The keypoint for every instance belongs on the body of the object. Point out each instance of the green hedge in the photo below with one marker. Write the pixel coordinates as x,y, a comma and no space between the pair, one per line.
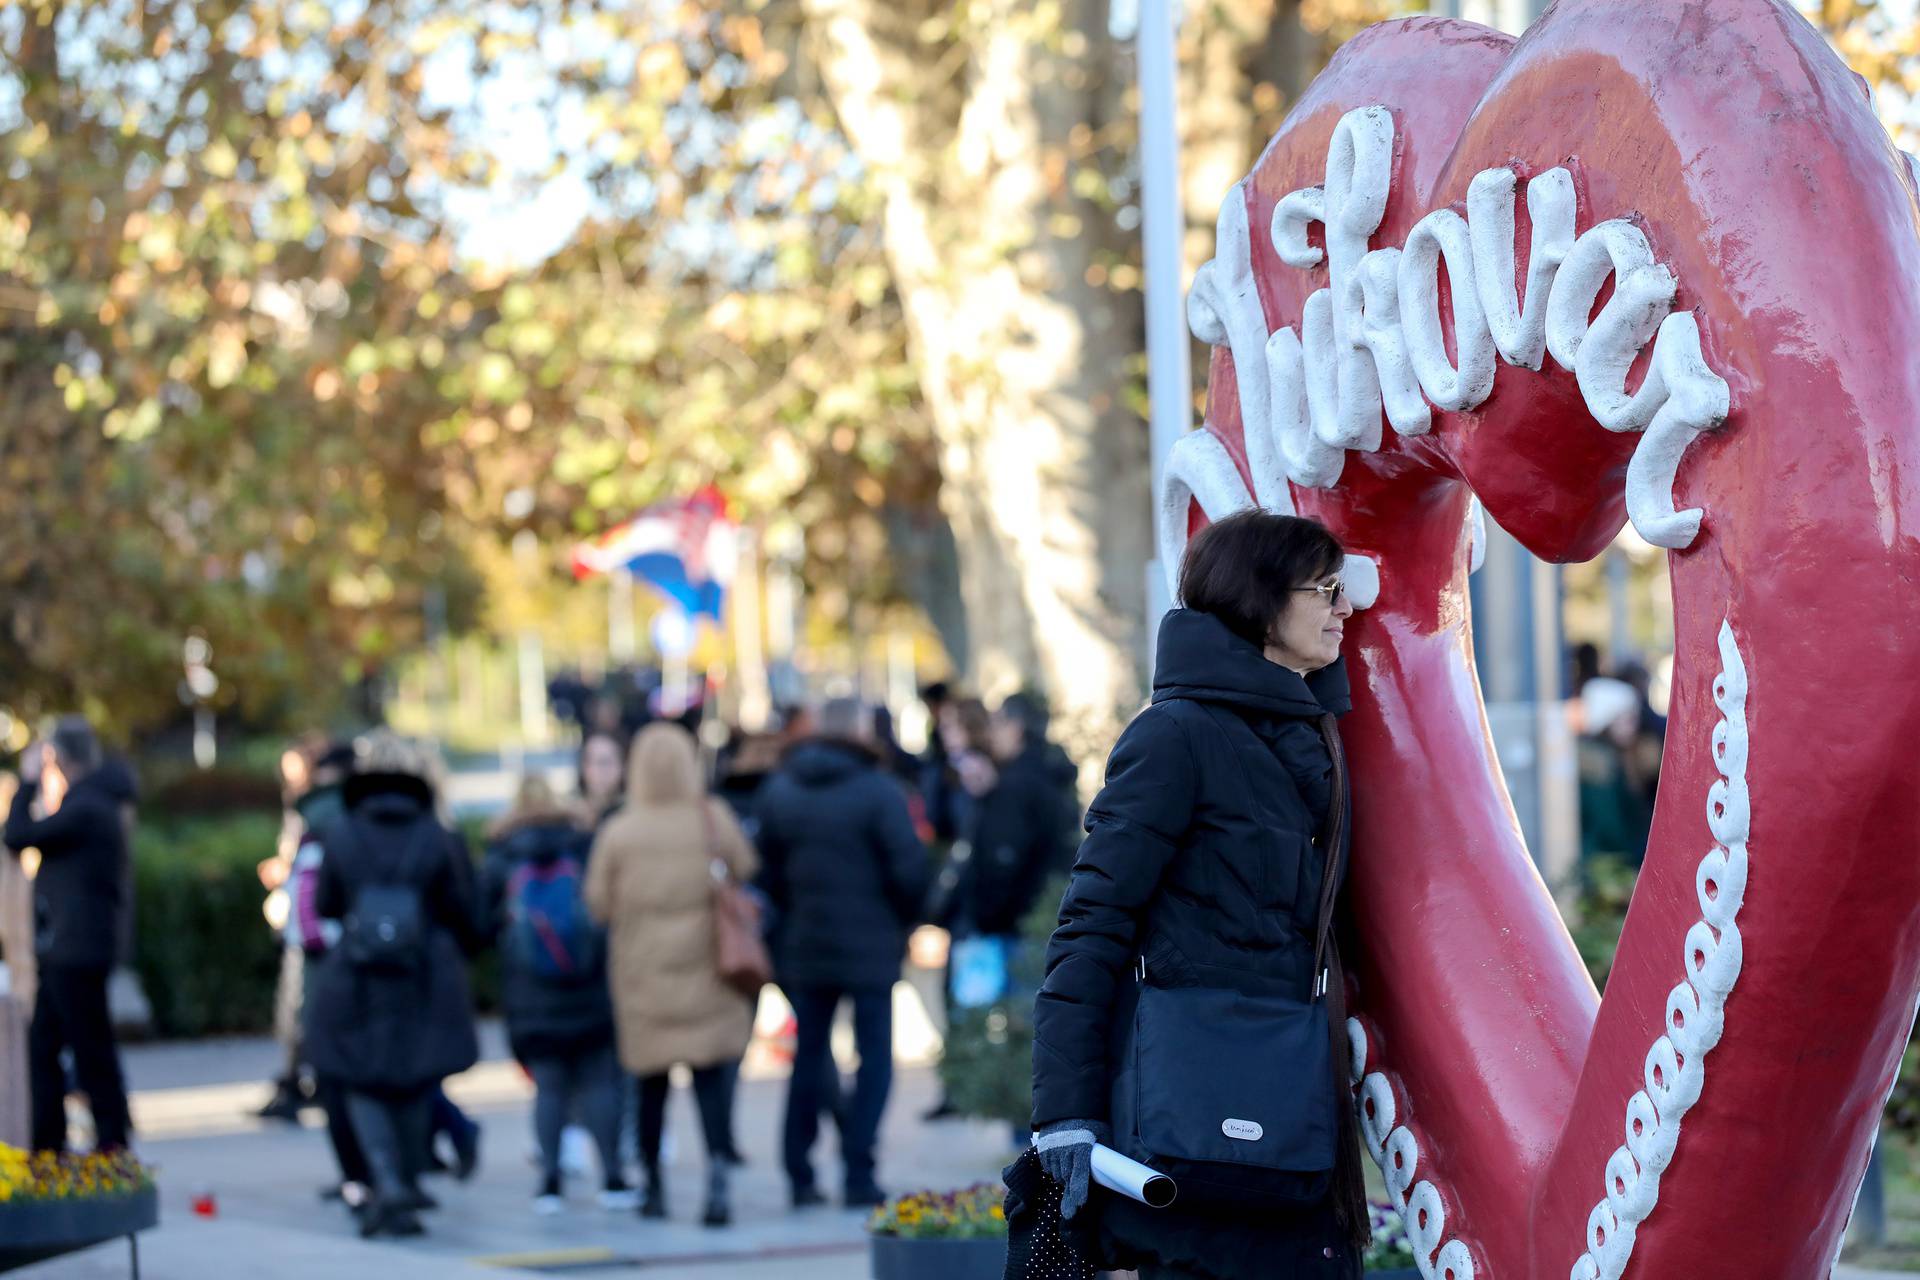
206,957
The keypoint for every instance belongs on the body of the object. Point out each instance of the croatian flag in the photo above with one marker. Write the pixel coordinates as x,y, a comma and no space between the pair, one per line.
684,549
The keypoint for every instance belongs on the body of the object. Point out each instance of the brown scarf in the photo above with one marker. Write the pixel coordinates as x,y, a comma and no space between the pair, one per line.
1349,1181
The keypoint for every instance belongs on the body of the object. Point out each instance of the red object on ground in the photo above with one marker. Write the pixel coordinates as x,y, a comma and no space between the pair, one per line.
1750,157
204,1204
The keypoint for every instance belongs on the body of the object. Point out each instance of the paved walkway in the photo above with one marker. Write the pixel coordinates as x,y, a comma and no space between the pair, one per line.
193,1106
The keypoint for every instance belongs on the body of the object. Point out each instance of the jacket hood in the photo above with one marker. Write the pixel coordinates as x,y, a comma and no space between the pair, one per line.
389,798
321,805
663,767
98,785
1047,760
823,762
361,789
1200,658
115,778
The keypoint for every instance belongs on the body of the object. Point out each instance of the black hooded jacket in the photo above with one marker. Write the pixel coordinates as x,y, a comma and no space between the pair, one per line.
1022,834
79,895
842,865
382,1030
1199,859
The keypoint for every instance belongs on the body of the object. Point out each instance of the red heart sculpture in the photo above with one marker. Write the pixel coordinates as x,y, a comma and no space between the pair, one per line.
1713,1116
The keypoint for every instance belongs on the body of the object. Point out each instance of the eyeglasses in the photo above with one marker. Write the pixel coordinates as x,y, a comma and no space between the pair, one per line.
1332,593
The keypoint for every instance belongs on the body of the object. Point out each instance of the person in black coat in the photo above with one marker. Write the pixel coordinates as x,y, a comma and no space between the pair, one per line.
1021,824
847,876
1202,878
79,901
559,1024
390,1014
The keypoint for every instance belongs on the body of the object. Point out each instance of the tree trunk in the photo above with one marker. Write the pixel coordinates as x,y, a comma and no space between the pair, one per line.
1022,359
1003,257
1241,66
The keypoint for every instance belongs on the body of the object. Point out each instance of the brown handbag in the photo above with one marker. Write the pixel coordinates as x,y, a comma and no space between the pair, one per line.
739,952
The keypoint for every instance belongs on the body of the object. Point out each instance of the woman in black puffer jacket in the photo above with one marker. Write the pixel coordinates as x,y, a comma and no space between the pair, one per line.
390,1014
1192,1014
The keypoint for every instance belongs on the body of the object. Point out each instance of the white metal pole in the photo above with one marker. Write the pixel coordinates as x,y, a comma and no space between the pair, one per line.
532,678
749,647
205,745
620,637
532,673
902,687
1162,224
676,683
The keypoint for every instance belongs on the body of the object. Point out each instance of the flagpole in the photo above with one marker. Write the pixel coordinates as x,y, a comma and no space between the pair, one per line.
675,694
531,673
749,651
620,641
1155,26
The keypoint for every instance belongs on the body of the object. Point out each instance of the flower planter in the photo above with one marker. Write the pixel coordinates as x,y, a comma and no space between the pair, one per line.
34,1230
902,1258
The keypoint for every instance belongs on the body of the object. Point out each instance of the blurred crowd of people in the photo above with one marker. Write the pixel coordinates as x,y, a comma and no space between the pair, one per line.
602,902
623,700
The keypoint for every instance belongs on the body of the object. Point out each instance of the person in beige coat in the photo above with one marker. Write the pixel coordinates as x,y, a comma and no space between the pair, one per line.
650,879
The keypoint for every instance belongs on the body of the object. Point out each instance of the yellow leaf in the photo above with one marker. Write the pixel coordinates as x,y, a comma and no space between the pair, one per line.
219,158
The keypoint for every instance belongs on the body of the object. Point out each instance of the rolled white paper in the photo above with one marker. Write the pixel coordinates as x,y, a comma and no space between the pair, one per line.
1132,1179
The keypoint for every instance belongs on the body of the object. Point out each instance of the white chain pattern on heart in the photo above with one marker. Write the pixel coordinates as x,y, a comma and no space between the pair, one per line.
1397,1152
1675,1066
1696,1009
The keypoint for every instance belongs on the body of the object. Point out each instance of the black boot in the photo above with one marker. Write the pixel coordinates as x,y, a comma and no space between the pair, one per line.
719,1204
466,1151
863,1193
414,1200
387,1212
285,1104
384,1218
653,1194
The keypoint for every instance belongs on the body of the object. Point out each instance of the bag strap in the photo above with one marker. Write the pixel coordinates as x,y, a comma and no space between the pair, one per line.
1348,1192
717,864
1334,842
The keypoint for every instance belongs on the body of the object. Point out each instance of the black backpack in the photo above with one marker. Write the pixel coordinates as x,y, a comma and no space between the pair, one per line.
385,928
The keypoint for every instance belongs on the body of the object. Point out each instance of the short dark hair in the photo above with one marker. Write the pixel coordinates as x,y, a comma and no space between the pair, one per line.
1028,710
1243,569
76,744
